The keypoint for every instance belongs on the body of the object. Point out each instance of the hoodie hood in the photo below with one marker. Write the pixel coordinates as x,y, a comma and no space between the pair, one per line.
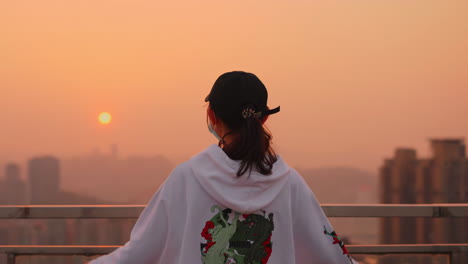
216,172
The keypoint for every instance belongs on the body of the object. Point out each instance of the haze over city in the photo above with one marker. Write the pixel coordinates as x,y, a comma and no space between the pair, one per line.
100,100
354,79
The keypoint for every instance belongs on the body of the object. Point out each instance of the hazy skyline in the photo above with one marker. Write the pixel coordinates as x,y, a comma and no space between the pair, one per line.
354,79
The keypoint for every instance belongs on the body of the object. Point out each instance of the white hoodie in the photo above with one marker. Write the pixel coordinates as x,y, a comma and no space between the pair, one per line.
205,214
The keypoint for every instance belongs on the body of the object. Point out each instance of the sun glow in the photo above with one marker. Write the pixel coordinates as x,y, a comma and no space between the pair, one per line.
104,118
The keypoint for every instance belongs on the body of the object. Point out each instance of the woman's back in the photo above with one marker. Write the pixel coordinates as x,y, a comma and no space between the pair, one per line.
203,213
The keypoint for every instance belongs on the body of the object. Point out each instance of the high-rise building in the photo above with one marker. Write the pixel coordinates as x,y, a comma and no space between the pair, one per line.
44,179
14,188
443,178
398,184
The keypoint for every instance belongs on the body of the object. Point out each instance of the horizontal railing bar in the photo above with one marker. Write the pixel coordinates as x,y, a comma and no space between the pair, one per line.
396,210
407,248
331,210
70,211
56,250
353,249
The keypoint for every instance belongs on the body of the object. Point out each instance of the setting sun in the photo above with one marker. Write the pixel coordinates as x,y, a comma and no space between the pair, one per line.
104,118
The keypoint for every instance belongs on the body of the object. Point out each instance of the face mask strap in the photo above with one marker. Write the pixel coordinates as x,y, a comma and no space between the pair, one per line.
212,131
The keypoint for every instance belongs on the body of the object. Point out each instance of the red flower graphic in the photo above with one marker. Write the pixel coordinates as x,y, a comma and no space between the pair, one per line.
267,248
205,234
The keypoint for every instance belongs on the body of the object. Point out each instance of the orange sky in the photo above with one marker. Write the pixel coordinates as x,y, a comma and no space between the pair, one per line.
355,79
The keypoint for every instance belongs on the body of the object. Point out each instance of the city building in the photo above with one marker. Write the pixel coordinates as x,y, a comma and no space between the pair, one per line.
13,192
13,189
44,180
442,178
44,176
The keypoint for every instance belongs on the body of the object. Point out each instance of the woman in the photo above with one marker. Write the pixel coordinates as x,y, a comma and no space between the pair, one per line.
235,202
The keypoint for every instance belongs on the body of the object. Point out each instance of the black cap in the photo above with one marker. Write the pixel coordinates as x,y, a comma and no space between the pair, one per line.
236,93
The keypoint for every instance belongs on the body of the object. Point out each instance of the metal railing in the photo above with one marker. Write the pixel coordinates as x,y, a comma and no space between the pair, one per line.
9,253
133,211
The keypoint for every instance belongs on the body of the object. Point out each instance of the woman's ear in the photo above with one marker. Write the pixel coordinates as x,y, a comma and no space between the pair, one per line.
265,118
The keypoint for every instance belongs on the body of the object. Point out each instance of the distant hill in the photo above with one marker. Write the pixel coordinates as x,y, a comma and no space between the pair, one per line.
114,179
342,184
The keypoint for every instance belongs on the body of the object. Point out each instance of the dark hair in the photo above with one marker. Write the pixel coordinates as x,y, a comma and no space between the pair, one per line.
239,99
251,144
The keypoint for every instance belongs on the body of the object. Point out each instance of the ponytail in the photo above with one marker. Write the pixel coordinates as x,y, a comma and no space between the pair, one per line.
251,145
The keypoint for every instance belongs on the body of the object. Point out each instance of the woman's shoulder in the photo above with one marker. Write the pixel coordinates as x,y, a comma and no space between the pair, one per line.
297,182
186,168
179,172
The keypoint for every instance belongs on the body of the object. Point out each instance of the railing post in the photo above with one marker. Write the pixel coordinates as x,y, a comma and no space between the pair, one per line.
6,258
458,257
